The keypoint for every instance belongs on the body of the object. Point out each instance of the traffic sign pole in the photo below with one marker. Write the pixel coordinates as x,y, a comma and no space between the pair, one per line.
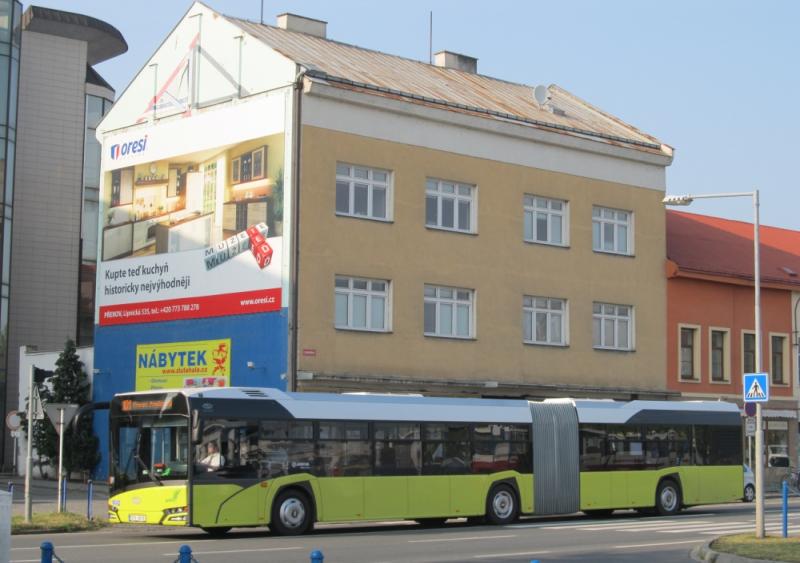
759,424
60,456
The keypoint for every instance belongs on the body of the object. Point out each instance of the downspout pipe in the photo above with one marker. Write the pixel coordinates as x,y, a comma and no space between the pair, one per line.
297,107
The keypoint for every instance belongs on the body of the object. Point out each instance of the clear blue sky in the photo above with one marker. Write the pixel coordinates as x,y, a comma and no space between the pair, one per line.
718,81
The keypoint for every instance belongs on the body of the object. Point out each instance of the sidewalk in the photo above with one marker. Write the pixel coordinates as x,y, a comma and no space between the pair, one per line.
44,497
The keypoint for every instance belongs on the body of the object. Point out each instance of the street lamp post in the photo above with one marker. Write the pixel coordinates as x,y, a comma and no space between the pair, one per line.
759,462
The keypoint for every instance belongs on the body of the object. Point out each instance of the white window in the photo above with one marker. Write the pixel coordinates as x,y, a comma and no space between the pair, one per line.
362,304
363,192
612,326
451,206
611,230
449,312
544,321
545,220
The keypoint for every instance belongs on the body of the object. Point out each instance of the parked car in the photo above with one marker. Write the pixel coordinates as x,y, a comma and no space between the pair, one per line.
778,456
749,485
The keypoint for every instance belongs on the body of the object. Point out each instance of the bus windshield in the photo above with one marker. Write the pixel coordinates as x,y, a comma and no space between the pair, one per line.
149,449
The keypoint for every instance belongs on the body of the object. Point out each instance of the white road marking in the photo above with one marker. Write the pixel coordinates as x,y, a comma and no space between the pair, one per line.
606,524
239,551
517,554
142,543
461,538
654,544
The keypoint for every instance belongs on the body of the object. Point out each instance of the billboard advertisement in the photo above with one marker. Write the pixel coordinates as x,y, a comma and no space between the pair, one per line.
191,235
172,365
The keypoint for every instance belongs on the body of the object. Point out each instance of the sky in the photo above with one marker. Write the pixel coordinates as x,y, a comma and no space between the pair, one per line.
717,81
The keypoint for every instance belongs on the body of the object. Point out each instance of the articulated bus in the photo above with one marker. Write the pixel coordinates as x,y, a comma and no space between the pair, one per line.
237,457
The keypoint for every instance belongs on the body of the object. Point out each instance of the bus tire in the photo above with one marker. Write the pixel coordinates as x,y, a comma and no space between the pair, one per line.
292,513
668,497
502,506
217,531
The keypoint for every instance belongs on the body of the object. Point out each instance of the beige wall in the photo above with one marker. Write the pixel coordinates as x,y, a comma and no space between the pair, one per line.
496,263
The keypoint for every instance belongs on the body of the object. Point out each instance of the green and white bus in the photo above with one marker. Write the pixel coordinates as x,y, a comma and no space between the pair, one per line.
235,457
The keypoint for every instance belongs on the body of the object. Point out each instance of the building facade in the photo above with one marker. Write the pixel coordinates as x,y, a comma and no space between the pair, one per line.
427,228
711,325
61,101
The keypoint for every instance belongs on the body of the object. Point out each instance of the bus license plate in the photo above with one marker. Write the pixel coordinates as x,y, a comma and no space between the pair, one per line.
137,518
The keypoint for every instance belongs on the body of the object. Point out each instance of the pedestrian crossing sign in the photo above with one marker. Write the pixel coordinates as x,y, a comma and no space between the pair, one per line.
755,388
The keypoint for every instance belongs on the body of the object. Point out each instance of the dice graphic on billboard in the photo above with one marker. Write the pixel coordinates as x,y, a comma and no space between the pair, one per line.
263,254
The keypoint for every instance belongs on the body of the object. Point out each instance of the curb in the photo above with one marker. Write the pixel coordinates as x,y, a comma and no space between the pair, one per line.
705,553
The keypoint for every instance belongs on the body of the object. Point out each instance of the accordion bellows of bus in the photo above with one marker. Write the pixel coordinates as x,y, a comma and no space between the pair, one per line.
241,457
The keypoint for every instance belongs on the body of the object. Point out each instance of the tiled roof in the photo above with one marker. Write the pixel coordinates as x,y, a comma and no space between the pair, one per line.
348,66
721,247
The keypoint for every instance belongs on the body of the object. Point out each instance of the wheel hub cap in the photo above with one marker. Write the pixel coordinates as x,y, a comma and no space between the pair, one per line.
292,513
503,504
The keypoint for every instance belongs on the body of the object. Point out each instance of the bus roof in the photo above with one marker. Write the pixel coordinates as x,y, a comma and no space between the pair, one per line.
601,411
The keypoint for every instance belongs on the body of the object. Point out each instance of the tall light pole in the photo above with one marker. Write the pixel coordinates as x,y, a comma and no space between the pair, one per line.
759,462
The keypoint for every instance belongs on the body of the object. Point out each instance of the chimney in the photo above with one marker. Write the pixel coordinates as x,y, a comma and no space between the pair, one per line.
449,59
302,24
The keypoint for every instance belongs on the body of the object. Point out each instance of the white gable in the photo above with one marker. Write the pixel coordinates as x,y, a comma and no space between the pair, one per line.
199,64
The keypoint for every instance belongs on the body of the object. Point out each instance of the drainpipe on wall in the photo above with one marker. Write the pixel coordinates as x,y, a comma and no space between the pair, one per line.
294,244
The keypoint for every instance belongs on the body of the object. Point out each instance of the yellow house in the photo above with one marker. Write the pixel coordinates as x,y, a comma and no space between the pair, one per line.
440,230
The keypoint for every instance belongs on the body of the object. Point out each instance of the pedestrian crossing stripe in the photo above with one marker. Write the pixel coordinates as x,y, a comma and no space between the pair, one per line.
755,391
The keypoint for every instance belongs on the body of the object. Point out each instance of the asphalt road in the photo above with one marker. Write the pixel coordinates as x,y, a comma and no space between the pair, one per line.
624,537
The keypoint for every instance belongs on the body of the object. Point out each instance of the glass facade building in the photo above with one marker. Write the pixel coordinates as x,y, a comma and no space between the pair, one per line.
10,39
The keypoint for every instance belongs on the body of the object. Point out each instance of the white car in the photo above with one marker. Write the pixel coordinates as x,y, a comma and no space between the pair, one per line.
749,485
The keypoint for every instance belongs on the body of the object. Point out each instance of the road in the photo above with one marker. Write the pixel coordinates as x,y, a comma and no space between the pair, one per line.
624,537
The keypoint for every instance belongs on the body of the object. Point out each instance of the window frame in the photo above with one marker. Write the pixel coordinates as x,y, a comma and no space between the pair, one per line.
454,302
697,375
745,332
531,208
369,293
439,195
726,355
603,220
371,184
602,317
785,380
533,309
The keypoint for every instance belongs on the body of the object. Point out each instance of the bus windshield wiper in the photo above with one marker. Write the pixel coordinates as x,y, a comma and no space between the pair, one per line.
145,469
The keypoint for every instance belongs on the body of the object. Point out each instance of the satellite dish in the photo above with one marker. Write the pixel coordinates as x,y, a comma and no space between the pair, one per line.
541,94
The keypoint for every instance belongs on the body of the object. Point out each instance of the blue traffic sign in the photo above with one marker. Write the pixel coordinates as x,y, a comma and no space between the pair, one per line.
755,388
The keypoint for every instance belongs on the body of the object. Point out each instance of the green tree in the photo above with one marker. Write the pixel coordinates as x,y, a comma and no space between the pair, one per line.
70,385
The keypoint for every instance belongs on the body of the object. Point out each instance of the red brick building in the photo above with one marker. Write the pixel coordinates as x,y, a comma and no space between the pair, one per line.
710,317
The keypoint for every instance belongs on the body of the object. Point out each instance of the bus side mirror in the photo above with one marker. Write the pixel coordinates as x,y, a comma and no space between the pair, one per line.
195,427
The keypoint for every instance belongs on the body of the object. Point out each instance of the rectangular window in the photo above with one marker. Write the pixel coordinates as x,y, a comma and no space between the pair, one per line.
544,321
450,206
778,355
612,326
398,448
612,230
749,352
363,192
361,304
449,312
688,350
720,370
545,220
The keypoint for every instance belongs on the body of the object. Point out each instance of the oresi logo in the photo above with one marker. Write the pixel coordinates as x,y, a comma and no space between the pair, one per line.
131,147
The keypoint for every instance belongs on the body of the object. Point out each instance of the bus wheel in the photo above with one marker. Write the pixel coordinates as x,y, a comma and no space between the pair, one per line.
668,498
291,513
501,505
599,512
431,522
218,531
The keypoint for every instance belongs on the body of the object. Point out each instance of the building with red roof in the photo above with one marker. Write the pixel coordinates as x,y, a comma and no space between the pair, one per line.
711,320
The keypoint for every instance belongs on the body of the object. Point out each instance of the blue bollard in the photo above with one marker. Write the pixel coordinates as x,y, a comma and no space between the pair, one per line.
11,488
89,499
63,495
316,556
785,494
47,552
185,554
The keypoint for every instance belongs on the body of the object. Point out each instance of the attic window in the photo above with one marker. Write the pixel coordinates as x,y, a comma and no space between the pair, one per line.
789,271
